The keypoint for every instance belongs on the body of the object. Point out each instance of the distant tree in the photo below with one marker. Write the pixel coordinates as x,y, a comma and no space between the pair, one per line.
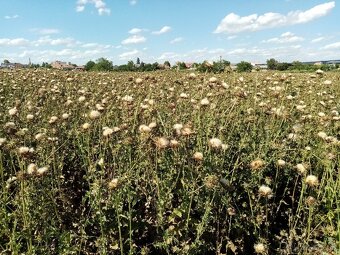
46,65
181,66
167,63
6,61
220,66
138,61
282,66
272,64
244,66
102,64
90,65
155,66
131,65
297,65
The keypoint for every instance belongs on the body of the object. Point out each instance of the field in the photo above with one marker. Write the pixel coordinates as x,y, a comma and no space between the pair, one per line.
169,163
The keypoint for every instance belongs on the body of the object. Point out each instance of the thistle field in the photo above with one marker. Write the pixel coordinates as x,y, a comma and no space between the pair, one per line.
169,163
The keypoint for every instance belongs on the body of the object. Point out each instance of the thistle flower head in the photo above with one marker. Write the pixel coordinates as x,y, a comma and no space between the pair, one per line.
113,184
265,191
94,114
257,164
139,81
281,162
301,168
312,180
152,125
53,120
260,248
2,141
65,116
177,126
174,143
30,117
31,168
42,170
107,132
13,111
86,126
215,143
211,181
161,142
144,129
198,156
205,102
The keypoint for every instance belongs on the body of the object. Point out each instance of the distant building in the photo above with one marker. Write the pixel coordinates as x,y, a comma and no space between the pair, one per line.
62,65
260,66
9,65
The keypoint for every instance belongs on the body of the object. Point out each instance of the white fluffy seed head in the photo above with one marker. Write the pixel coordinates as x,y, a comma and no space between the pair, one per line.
81,99
86,126
31,168
94,114
23,150
113,184
322,135
205,102
301,168
265,191
152,125
174,143
260,248
13,111
213,80
65,116
198,156
215,143
107,132
312,180
2,141
281,162
30,117
162,142
144,129
42,170
177,126
53,120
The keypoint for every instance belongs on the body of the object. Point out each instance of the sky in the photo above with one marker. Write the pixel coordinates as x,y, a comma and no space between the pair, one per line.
175,30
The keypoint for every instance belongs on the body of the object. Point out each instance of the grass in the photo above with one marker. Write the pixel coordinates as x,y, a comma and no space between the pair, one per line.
113,186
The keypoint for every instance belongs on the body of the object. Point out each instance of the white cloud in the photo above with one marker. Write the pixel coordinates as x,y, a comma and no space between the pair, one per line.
287,37
135,30
233,23
133,2
176,40
168,56
12,17
13,42
231,37
319,39
100,5
163,30
46,31
129,54
134,39
47,40
332,46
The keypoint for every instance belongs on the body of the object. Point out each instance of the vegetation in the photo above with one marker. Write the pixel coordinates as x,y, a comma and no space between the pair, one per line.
244,66
169,163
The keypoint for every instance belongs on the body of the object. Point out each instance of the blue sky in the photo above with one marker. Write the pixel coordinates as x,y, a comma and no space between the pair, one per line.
174,30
